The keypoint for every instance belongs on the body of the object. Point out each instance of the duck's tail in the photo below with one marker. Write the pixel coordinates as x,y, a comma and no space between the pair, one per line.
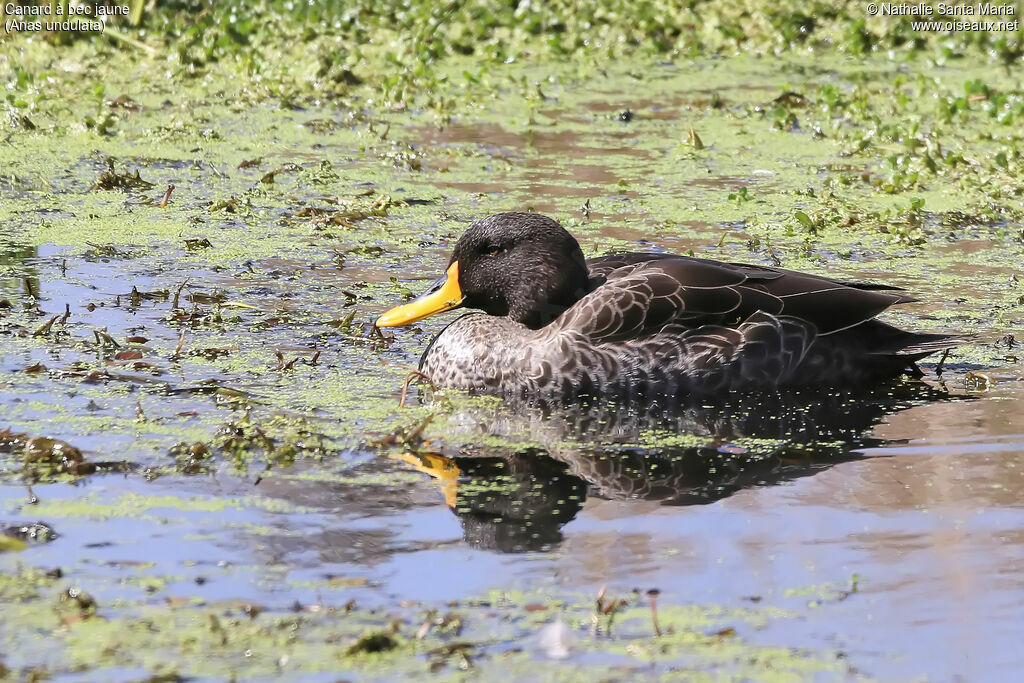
887,340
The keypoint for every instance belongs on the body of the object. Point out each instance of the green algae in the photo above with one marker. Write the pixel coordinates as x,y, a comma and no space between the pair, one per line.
8,544
241,640
139,506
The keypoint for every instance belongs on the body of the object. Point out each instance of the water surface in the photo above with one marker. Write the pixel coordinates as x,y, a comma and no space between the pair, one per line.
319,489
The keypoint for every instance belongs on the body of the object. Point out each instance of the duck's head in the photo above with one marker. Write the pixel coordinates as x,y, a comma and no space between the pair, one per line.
521,265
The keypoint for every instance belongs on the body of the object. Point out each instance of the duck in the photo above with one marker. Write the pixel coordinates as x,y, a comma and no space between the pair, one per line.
552,324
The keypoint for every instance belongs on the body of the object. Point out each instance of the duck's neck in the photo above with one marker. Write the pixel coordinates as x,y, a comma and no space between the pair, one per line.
541,312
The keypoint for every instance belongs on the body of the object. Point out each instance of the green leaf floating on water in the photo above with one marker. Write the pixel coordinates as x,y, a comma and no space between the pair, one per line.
8,544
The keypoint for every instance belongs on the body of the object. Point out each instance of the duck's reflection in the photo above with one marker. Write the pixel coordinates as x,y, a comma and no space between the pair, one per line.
517,501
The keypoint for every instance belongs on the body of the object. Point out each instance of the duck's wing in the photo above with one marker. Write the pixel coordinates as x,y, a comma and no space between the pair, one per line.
764,350
641,293
831,305
638,299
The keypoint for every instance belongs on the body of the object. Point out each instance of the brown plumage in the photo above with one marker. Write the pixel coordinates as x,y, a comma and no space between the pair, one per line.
643,325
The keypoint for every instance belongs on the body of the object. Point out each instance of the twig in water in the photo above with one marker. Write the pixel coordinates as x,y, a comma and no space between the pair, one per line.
653,595
601,609
177,295
259,477
44,329
595,618
181,343
405,386
167,197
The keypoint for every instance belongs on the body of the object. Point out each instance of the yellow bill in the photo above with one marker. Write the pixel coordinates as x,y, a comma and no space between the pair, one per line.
443,296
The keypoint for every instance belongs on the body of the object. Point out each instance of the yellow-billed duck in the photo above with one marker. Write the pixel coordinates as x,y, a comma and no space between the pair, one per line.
635,325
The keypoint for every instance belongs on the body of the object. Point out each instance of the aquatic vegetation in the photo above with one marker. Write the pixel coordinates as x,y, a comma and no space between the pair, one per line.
162,633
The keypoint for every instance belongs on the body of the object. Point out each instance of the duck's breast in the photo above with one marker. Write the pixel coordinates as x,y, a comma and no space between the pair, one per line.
480,352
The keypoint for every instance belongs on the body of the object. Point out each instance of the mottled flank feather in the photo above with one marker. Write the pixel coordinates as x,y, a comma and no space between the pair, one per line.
644,325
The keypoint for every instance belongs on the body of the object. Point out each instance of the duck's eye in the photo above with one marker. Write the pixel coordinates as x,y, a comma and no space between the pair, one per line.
493,250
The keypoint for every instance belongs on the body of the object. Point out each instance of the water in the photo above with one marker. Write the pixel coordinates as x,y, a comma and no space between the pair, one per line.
912,497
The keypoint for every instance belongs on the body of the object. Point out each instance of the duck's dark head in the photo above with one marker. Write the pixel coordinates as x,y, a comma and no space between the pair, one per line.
522,265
